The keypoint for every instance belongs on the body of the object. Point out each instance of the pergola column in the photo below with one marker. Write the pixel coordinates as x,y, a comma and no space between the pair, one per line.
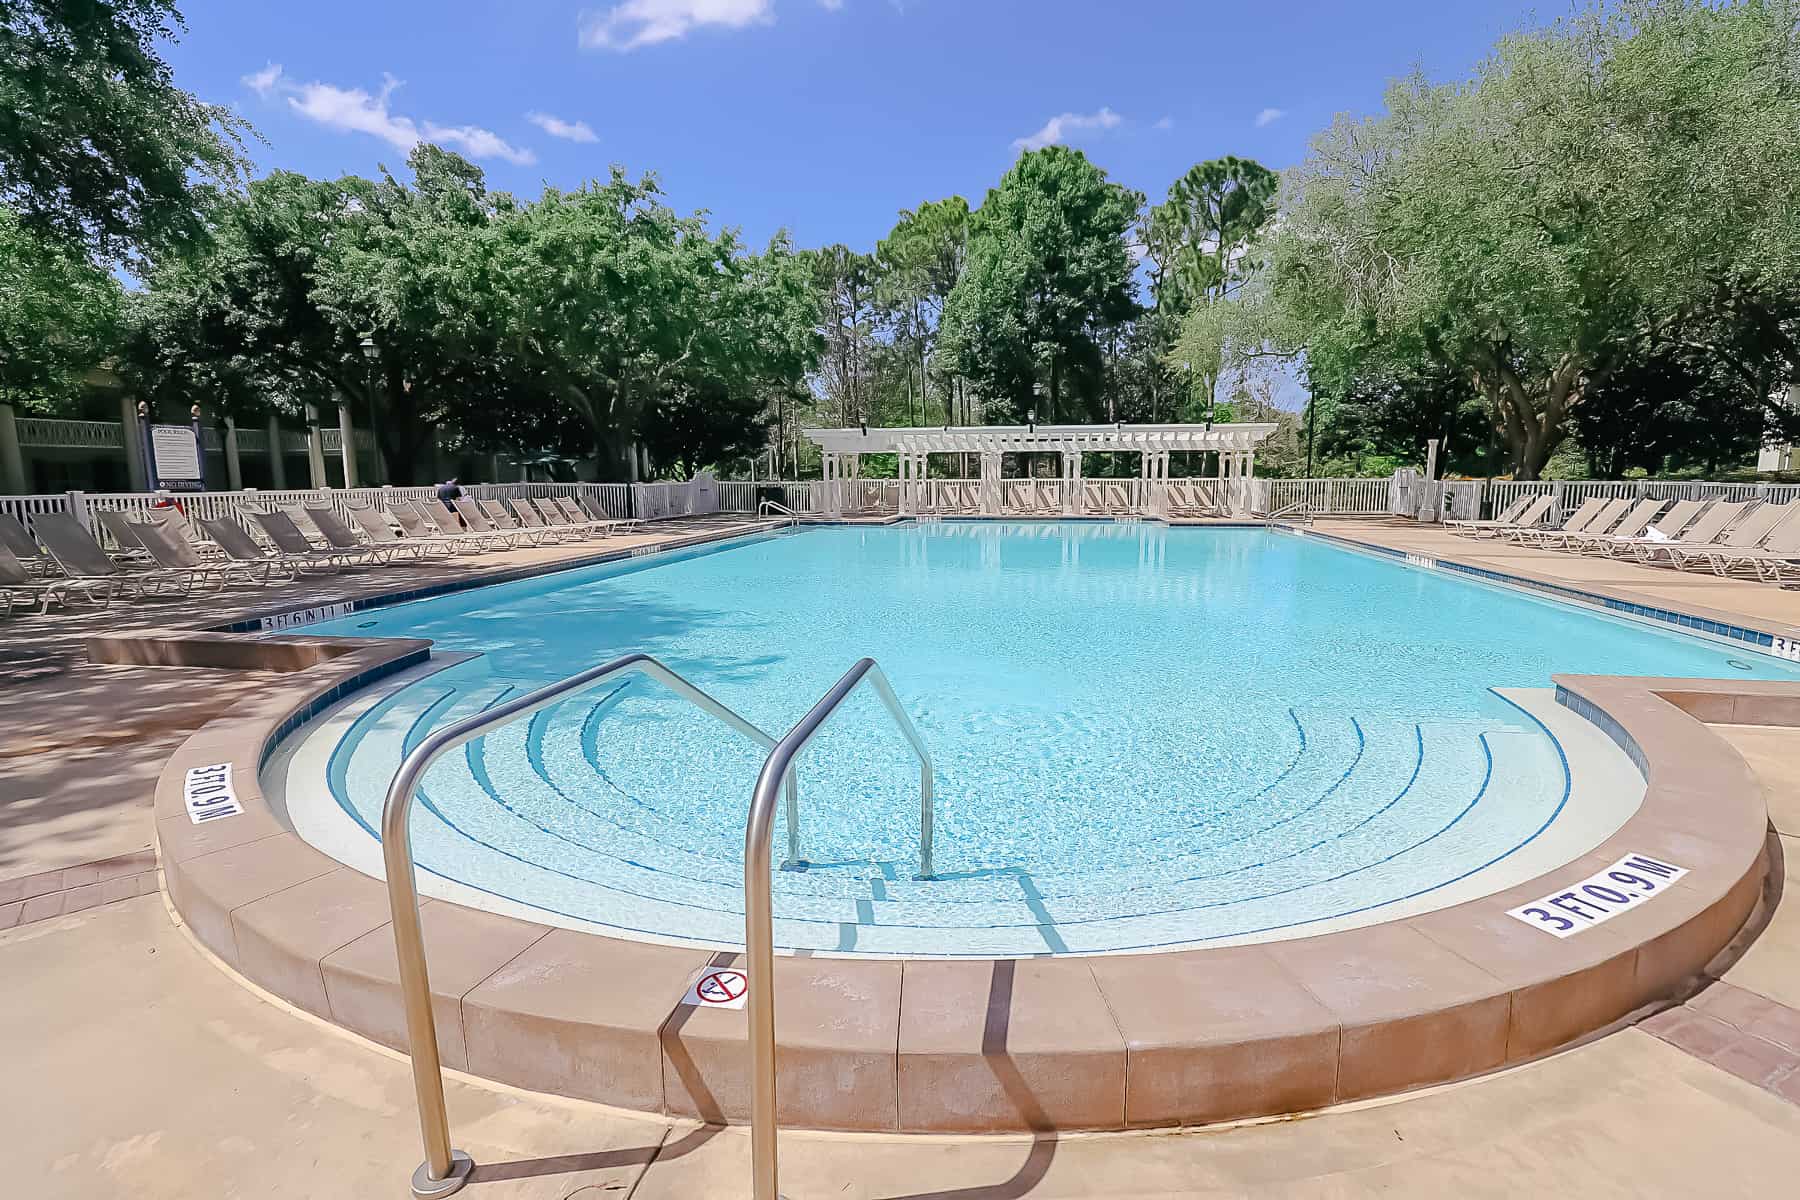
347,444
1072,483
990,483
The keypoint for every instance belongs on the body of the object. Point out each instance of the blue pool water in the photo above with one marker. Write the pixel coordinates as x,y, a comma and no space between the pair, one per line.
1144,736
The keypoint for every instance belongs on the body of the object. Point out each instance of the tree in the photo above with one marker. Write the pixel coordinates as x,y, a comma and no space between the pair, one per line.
917,266
1600,177
846,285
58,317
1048,279
98,147
298,273
1197,241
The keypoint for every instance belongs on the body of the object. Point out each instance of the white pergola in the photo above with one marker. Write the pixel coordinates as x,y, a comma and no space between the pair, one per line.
841,451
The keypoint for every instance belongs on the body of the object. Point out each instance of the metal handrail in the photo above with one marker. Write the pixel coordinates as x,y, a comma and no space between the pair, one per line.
446,1169
759,925
1298,506
763,509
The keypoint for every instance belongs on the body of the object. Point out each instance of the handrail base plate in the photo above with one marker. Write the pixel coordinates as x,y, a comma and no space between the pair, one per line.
426,1188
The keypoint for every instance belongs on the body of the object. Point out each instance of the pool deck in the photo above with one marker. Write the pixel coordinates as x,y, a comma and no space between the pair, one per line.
182,1098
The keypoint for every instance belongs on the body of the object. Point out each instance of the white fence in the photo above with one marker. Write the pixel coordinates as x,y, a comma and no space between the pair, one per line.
614,498
1569,495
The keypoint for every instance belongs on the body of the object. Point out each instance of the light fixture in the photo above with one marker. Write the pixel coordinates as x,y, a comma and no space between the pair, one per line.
370,350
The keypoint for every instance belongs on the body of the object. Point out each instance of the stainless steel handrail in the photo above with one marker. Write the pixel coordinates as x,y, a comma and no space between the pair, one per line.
1299,506
446,1169
759,928
763,510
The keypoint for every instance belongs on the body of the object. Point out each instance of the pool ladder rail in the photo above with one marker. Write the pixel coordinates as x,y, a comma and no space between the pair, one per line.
446,1169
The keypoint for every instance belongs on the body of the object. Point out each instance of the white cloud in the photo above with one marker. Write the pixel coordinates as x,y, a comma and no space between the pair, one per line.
831,5
1269,116
571,131
1166,123
1059,128
353,110
636,23
264,81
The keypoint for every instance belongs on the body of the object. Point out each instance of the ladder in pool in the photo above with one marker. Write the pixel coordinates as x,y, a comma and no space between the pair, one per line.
446,1169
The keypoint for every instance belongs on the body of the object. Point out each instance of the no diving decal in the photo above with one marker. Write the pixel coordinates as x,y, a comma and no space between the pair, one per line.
1600,897
209,794
718,987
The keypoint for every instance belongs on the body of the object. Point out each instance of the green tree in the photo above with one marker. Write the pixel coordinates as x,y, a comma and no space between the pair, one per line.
1596,178
98,147
917,265
1048,279
59,316
1197,242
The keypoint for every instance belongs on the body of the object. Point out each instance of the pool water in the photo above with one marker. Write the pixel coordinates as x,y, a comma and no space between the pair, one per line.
1144,736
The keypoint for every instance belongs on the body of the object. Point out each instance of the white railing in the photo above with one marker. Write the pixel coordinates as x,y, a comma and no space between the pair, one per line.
615,499
1321,497
1570,494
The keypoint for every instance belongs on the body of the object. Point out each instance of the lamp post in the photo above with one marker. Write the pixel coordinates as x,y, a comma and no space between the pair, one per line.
371,353
199,445
145,446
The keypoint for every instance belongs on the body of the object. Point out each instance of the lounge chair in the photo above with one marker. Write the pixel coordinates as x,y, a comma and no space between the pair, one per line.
80,557
1666,528
552,517
176,555
340,536
239,546
417,523
17,541
1703,533
591,507
17,583
374,525
297,549
477,522
1530,517
127,548
1506,516
183,529
1595,519
573,514
525,522
1631,526
1764,545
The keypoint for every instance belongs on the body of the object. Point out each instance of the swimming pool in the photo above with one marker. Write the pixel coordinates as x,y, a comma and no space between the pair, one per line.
1145,737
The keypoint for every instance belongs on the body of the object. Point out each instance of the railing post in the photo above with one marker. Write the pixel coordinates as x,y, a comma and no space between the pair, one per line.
78,508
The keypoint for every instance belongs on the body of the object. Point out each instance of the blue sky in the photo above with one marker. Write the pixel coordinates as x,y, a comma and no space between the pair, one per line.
825,117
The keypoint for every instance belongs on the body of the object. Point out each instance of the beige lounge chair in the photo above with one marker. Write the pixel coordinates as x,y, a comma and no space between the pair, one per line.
374,525
477,522
175,554
1632,525
1666,528
1583,520
1506,516
1772,556
1532,517
16,584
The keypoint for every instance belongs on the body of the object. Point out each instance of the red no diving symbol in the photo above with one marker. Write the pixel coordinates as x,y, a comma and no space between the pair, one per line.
721,987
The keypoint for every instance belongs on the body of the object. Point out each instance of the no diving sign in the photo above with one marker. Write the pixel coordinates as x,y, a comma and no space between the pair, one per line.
718,987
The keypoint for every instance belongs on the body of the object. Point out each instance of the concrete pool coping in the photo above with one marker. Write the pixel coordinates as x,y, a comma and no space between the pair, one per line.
1178,1038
